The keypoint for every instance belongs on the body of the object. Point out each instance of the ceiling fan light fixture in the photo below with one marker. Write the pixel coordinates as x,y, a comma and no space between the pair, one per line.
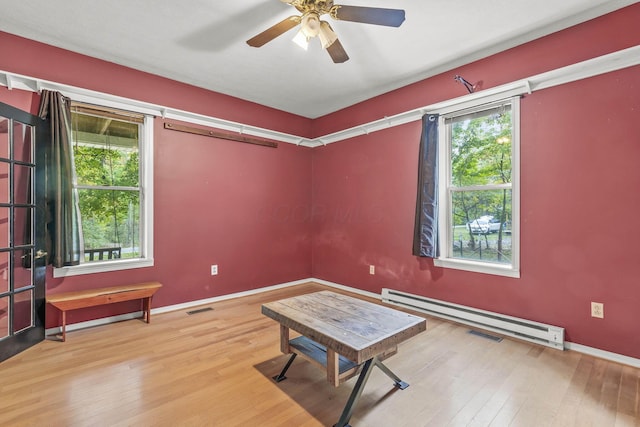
327,35
310,24
301,40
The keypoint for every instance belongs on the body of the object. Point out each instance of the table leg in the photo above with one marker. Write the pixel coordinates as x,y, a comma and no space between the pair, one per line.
284,339
355,394
398,382
333,367
359,387
280,376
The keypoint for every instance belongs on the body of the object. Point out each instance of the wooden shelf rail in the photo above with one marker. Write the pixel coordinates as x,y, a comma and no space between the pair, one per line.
221,135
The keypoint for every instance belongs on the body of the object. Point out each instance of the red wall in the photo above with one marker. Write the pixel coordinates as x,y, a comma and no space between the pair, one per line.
580,144
268,216
237,205
231,204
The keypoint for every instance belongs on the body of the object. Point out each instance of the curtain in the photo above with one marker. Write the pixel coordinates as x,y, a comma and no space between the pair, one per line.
63,234
425,234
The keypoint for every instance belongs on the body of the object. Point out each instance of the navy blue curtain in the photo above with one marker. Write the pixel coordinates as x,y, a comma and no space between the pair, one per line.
425,233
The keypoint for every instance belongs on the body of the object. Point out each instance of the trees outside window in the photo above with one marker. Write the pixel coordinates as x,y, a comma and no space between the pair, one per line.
113,179
106,149
479,188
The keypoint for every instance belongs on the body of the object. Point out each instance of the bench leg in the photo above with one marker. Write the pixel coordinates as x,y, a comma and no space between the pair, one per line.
146,308
64,325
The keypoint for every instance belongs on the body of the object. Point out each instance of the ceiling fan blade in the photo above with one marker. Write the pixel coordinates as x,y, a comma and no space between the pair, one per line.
337,52
274,31
369,15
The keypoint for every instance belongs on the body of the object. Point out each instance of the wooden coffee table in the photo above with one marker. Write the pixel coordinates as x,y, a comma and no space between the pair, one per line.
342,335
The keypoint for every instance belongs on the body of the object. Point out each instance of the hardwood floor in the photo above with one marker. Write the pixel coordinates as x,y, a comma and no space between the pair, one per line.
214,368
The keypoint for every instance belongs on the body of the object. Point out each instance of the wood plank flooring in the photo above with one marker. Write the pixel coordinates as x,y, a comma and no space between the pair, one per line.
214,368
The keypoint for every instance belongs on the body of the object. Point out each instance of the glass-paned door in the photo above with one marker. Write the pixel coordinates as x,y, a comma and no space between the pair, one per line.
22,261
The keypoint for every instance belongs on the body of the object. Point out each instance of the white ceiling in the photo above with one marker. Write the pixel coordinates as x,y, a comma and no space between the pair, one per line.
202,42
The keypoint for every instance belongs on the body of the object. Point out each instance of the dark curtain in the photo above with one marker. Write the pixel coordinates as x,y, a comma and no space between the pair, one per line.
425,233
63,234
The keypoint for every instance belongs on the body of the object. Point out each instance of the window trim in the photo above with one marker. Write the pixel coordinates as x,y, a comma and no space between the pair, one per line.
445,258
146,192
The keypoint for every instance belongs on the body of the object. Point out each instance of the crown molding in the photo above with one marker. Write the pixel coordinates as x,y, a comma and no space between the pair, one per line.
592,67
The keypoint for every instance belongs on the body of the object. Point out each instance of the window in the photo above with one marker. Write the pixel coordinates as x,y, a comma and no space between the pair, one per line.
112,162
479,191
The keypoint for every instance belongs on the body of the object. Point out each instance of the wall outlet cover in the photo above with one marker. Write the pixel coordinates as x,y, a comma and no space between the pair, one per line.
597,310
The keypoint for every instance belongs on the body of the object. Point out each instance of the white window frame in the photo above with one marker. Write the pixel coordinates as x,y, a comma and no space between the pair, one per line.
146,194
446,258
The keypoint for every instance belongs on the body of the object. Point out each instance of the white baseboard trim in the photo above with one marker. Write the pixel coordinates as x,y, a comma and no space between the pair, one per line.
190,304
603,354
345,288
591,351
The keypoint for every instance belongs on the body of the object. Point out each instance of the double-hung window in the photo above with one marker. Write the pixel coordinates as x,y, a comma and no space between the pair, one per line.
112,155
479,189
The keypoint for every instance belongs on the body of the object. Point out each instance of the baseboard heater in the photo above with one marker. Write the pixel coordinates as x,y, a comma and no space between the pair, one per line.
551,336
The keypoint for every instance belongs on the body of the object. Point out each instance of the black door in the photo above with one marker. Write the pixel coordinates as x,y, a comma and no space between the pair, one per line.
22,258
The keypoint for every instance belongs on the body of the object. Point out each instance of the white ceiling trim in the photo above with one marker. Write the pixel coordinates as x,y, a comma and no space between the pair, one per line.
33,84
600,65
592,67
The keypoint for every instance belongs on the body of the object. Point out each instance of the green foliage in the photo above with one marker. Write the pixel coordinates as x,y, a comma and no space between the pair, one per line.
481,151
110,217
481,155
102,165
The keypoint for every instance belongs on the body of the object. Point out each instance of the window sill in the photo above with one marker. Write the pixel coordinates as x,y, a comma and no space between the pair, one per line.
478,267
102,267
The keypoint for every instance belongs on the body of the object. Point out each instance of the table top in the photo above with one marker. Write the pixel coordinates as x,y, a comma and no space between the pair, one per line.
356,329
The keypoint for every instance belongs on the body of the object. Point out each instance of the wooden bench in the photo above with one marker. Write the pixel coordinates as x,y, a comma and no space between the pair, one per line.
92,297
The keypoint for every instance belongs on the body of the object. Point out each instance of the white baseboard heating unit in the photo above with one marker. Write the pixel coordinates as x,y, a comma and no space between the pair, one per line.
551,336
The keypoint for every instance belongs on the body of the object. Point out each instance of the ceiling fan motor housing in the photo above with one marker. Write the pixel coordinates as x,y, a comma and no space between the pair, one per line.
320,7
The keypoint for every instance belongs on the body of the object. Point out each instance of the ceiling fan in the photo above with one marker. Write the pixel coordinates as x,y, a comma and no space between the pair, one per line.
312,25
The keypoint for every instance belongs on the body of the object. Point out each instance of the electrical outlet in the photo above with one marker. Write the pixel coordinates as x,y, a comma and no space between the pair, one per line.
597,310
214,270
372,269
